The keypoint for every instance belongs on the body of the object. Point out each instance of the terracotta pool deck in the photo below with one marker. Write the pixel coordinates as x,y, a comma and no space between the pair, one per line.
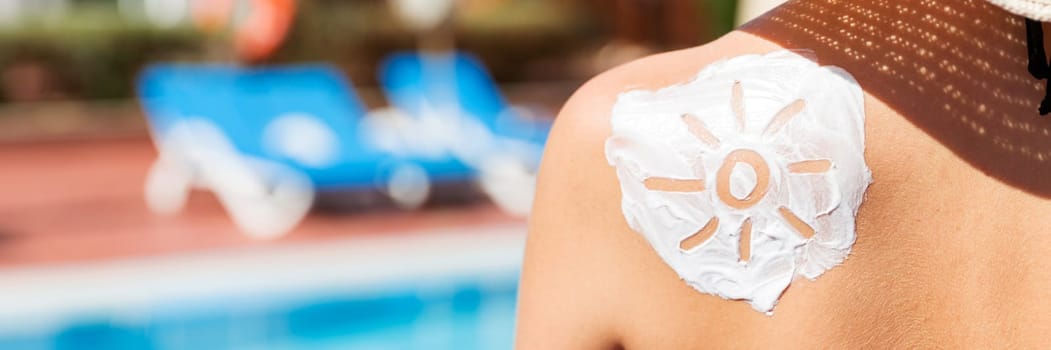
76,201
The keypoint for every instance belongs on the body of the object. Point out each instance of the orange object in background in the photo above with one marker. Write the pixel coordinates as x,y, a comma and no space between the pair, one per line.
264,29
259,26
212,15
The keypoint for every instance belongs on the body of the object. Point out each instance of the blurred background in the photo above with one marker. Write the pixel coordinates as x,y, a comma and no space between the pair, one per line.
288,174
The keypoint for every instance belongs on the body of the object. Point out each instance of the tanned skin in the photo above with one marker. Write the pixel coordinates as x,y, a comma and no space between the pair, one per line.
953,239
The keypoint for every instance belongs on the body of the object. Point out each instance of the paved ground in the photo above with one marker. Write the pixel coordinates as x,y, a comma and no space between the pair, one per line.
79,201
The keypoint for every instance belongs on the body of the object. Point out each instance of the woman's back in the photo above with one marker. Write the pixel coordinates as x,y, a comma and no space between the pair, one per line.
951,240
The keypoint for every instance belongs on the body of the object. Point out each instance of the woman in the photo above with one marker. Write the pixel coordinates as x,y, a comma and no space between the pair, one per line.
951,235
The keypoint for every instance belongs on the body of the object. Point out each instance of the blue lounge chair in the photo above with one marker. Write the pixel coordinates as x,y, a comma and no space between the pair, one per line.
496,139
264,140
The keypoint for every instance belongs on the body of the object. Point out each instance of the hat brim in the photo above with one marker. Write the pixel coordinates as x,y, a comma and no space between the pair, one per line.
1035,9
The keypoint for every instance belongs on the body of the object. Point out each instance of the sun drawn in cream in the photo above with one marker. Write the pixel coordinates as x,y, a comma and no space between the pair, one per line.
756,163
748,175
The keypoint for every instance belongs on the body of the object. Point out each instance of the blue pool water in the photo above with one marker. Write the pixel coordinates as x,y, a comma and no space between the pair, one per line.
462,315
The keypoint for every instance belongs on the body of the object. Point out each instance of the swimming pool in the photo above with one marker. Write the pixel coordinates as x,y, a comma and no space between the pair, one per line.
439,291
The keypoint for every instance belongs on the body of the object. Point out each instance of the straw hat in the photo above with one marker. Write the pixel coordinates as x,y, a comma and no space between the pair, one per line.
1036,9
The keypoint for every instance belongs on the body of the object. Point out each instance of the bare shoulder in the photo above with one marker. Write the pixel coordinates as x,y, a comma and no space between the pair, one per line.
583,264
584,121
589,281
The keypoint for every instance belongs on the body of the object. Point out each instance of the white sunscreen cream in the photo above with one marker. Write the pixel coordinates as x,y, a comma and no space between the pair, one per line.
746,176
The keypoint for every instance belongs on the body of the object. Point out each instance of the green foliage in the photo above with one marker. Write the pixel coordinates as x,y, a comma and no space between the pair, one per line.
95,53
722,14
91,51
